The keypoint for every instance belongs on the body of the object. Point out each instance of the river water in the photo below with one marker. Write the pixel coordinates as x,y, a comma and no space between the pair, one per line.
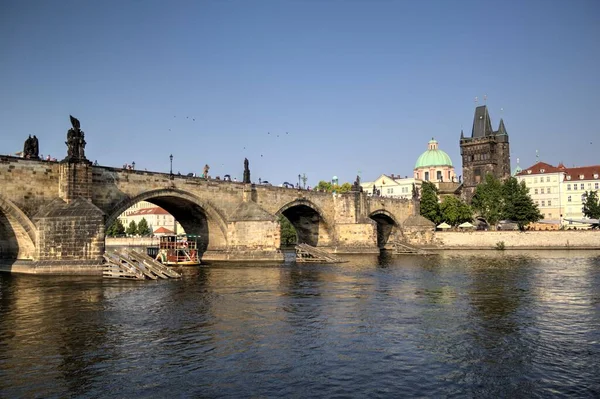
490,324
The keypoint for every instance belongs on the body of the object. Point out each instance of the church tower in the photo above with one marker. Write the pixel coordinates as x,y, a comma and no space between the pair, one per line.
486,151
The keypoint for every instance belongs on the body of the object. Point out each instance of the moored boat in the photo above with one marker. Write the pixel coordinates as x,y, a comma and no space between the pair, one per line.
180,250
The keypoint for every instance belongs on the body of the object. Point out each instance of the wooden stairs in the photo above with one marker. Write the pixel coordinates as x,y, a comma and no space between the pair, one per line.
308,254
401,248
133,265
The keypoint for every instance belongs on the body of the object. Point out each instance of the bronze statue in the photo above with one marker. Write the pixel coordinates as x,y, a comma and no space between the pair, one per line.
75,141
205,171
246,171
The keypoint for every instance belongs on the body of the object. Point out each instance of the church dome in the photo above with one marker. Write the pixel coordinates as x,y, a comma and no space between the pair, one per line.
433,157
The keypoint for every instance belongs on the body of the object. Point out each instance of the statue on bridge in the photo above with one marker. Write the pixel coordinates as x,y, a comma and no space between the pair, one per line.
246,171
75,142
356,185
31,148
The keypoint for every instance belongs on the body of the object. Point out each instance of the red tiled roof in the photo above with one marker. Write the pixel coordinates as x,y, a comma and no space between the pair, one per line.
163,230
588,173
149,211
537,169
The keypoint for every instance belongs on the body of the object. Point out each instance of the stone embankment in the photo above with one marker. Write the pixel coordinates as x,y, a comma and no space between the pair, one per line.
570,239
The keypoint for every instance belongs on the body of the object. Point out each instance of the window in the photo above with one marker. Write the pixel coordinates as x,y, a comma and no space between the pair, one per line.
439,175
535,179
549,202
541,191
568,177
548,190
426,176
589,186
547,179
549,215
535,191
543,203
582,186
596,186
390,191
581,177
542,171
569,198
568,187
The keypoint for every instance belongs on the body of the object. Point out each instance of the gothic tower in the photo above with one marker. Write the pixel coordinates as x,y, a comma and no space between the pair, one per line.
486,151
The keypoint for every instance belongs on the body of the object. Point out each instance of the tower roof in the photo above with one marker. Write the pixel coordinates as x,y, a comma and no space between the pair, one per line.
482,126
501,128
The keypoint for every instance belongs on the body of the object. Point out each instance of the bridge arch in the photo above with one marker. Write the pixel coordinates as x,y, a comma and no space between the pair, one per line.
196,216
18,234
388,226
309,220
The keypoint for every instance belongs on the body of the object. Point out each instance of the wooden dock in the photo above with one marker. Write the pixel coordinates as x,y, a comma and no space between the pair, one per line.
134,265
401,248
308,254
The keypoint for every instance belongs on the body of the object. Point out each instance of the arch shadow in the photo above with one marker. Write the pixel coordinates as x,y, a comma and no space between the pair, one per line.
387,224
308,220
18,234
196,216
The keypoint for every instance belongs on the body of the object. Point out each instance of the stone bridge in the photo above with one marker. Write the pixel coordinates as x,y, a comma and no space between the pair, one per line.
55,213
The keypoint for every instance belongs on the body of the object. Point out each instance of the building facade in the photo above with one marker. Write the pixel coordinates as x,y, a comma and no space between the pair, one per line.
559,191
156,217
434,165
392,186
486,151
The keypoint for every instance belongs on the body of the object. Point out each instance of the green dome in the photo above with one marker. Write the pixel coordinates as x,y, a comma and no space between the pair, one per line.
433,157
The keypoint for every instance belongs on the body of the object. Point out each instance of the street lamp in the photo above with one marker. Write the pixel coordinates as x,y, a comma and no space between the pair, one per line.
133,165
299,181
171,170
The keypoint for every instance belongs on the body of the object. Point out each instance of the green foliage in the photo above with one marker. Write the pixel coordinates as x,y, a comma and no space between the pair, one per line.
500,245
116,229
430,207
329,188
591,205
131,229
454,211
142,228
487,201
518,205
324,186
288,232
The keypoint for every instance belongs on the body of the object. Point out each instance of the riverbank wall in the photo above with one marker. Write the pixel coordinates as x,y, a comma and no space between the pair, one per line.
562,239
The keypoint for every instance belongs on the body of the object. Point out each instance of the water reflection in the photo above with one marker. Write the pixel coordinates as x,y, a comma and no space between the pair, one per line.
491,325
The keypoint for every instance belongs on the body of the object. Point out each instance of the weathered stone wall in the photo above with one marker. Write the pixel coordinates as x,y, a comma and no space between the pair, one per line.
70,232
28,183
515,239
356,237
75,180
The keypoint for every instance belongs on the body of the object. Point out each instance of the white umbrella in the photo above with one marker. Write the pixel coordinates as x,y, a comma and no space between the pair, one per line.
443,226
466,225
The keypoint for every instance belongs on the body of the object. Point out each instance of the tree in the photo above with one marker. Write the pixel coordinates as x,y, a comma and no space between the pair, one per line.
288,232
518,205
116,229
142,228
329,188
591,205
132,228
454,211
487,200
430,207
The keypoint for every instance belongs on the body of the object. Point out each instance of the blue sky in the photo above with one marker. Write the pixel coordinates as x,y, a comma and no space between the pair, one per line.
320,88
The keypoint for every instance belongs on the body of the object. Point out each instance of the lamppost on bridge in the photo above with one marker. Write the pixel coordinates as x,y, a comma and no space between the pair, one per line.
299,177
171,170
